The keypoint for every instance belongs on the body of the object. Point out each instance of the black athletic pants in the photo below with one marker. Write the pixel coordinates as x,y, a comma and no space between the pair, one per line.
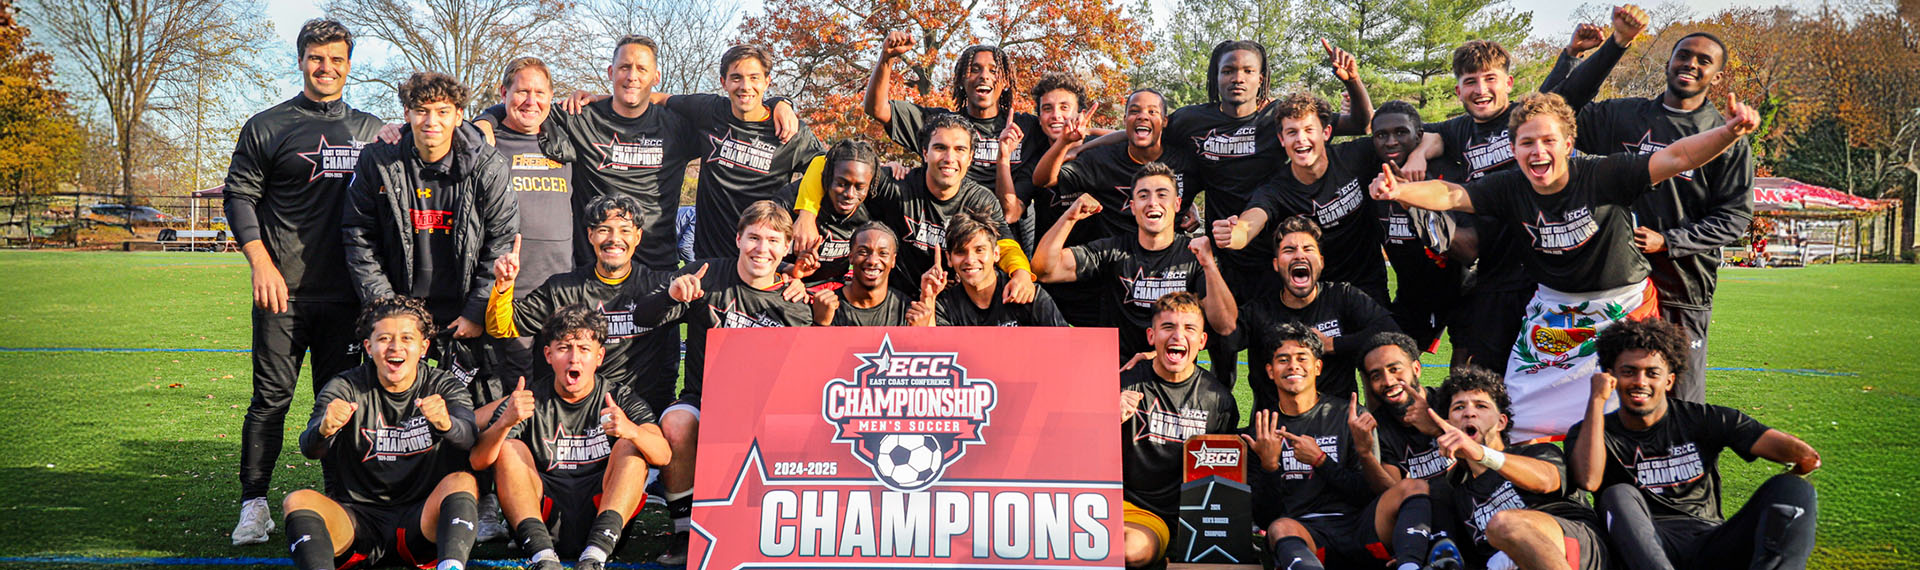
324,329
1691,385
1774,530
1485,326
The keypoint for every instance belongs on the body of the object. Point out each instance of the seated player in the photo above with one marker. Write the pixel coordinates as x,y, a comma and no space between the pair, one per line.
548,447
1340,315
1579,214
1308,492
1395,417
1160,407
973,297
849,169
1513,500
745,292
867,300
389,433
1656,464
1136,269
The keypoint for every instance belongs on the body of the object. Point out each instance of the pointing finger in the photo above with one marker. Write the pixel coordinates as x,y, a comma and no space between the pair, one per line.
1324,44
516,244
702,273
1353,408
1439,421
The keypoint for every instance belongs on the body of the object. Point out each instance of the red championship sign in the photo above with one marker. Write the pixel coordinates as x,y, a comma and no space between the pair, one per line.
856,447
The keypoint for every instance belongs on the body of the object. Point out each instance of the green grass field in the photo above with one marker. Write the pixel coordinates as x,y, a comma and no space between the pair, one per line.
133,454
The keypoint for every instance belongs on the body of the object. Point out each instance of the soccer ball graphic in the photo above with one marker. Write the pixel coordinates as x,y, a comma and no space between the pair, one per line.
907,461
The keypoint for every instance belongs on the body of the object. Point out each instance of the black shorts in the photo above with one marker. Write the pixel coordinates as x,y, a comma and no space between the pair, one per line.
569,505
380,531
1347,541
1586,548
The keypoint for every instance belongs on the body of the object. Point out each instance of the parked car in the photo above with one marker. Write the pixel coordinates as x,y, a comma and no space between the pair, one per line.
121,213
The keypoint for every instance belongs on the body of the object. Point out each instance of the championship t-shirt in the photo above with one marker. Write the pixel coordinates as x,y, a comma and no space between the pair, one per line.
566,437
920,218
1230,157
1350,234
388,453
1581,237
1402,446
891,312
286,183
1341,312
1133,278
633,356
909,119
1106,172
955,309
544,190
1153,442
644,157
1477,149
1299,490
1677,461
728,302
1478,498
745,162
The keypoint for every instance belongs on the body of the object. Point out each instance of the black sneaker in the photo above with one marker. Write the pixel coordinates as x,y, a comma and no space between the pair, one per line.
589,564
547,564
676,554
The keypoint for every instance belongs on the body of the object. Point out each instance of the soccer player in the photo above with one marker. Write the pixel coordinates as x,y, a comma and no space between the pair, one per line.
973,297
1307,491
1061,102
1160,407
1656,464
570,455
390,433
747,291
982,89
1395,418
1419,244
1134,270
1577,213
613,232
1684,221
459,215
1326,184
1513,499
1341,316
284,184
542,188
867,300
1493,306
849,170
919,205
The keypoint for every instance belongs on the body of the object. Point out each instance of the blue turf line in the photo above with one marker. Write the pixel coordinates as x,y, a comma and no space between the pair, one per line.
261,562
1798,371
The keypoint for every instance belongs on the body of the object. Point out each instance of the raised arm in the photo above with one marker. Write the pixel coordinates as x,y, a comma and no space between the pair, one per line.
1052,261
1218,304
1358,119
1697,150
897,44
1435,195
1587,446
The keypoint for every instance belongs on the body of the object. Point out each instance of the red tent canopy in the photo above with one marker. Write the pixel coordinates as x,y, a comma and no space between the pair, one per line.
1790,194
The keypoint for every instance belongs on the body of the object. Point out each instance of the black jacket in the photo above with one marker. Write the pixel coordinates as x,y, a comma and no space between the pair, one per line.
375,228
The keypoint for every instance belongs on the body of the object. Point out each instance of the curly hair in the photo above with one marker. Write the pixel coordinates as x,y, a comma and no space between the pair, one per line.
570,320
1398,107
606,206
1651,335
391,307
1299,105
1061,82
1481,55
425,87
1470,378
877,227
1543,105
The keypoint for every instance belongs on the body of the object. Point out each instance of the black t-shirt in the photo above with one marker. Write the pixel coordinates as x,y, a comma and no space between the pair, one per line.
1404,447
430,214
1299,490
1133,278
285,184
1350,233
729,302
1153,443
955,309
644,157
1230,157
1477,498
1697,211
1477,149
836,237
1581,237
891,312
745,163
1341,311
1107,172
388,453
1677,461
1419,270
565,437
632,359
920,219
909,119
544,190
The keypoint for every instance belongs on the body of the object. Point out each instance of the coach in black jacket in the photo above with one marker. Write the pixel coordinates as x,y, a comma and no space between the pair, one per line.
430,228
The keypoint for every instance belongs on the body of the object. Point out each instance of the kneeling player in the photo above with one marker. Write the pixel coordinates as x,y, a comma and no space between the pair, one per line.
973,299
385,431
548,447
867,299
1658,461
1163,405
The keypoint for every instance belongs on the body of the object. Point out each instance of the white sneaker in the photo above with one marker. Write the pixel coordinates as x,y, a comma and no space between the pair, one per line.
491,528
256,520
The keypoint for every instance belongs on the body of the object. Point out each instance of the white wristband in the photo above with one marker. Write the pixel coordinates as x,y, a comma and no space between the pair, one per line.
1492,459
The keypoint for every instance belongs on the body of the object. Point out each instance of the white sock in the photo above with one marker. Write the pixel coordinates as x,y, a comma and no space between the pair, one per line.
547,554
593,553
672,496
450,565
1409,566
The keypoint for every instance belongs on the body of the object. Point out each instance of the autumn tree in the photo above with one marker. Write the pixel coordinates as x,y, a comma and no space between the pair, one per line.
471,40
692,34
42,138
128,51
825,49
